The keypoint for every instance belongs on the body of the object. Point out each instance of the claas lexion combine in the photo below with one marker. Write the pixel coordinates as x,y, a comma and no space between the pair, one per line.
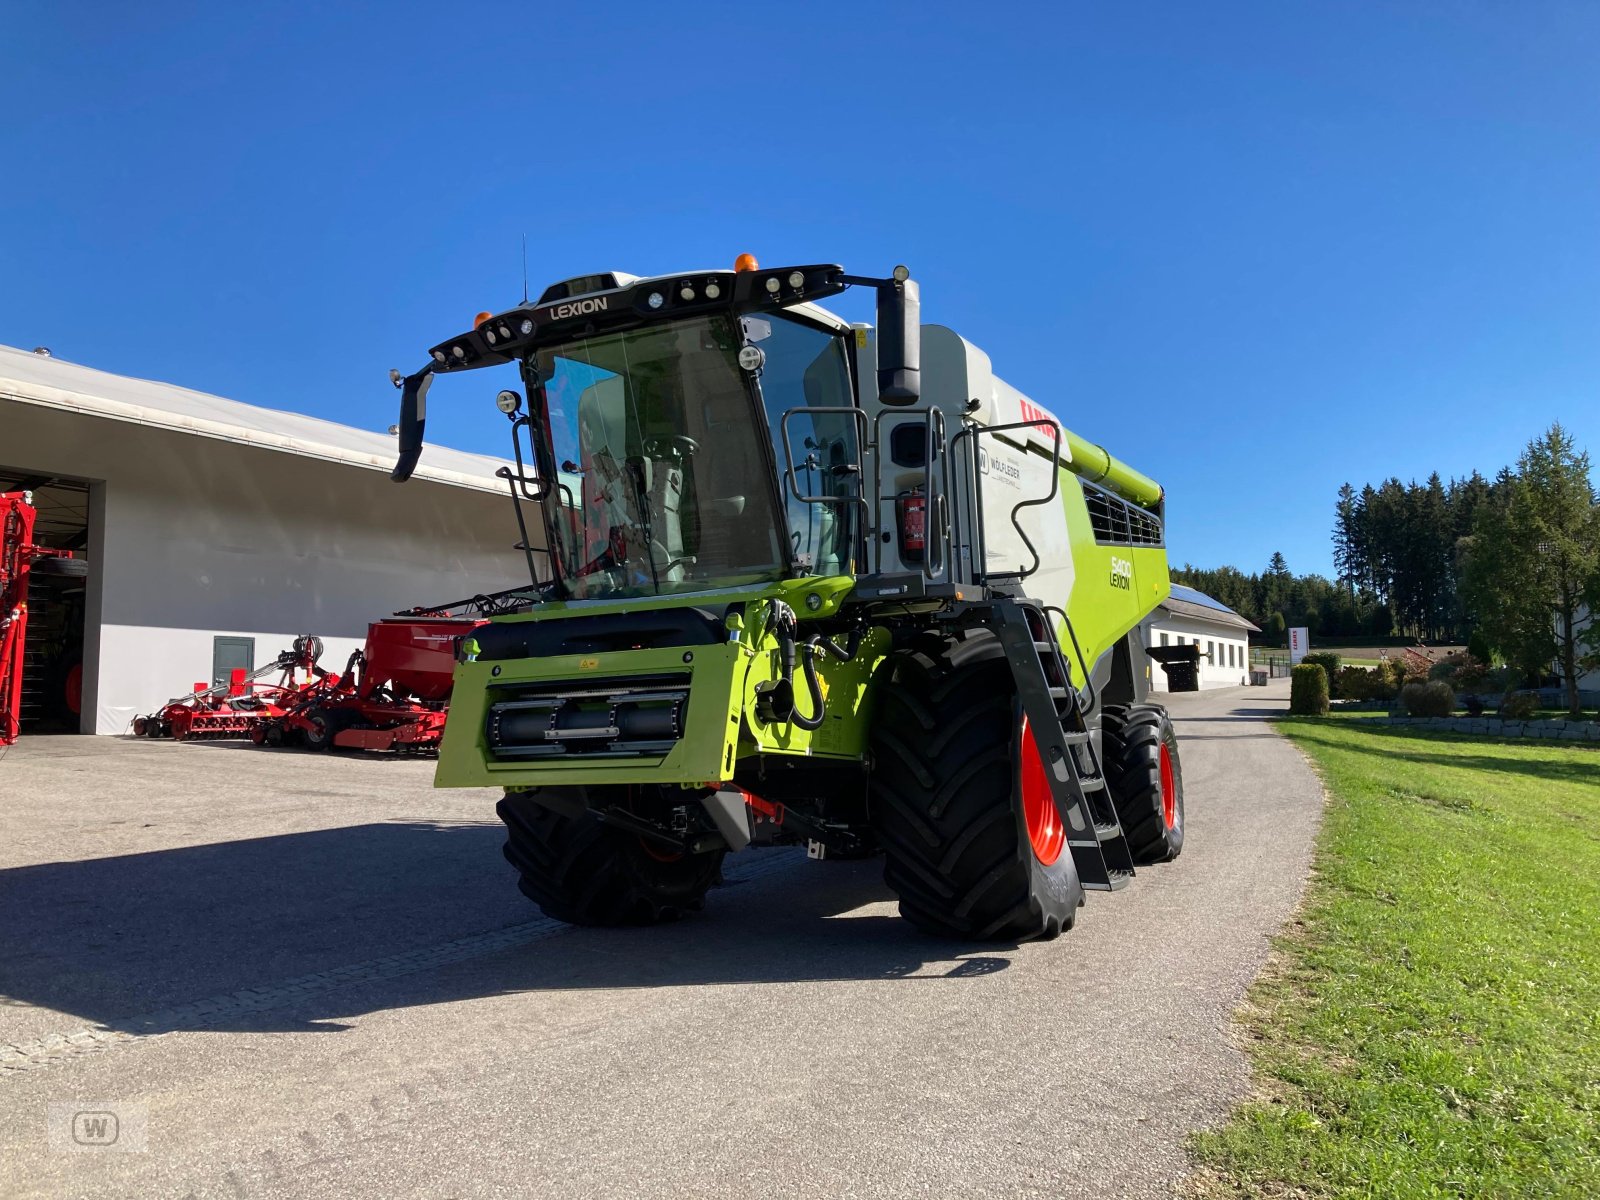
806,581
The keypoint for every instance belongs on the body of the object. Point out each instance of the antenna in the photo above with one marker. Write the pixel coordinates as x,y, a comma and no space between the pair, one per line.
524,268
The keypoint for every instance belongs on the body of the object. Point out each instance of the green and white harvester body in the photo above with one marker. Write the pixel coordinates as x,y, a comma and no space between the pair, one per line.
793,579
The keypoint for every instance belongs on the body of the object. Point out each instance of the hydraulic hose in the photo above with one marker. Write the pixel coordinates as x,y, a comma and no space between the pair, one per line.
784,628
814,685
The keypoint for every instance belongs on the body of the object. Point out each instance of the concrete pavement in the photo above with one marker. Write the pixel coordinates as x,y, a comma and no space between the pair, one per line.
318,979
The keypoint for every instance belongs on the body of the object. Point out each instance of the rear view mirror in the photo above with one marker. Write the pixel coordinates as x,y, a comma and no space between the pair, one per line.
899,340
413,419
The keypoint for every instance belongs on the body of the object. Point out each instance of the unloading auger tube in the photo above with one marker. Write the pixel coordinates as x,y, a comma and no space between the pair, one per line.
723,489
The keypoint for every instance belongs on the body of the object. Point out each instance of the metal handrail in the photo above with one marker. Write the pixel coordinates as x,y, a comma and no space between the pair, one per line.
983,575
863,443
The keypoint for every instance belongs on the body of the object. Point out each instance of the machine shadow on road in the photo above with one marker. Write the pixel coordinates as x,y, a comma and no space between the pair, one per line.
110,939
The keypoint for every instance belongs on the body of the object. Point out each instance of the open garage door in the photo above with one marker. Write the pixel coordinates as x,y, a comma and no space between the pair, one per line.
52,669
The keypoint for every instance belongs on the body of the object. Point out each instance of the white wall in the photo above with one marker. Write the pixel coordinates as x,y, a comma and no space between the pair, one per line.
200,537
1218,638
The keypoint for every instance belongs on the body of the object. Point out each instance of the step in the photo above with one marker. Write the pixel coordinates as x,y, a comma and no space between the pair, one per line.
1108,832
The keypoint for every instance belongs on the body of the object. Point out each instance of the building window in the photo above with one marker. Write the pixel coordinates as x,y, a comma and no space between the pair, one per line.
1164,641
1211,651
1231,651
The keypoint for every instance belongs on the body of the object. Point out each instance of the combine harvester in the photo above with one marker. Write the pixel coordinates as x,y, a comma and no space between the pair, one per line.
20,562
811,581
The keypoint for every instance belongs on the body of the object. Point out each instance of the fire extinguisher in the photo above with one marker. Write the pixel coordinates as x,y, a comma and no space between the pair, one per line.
911,511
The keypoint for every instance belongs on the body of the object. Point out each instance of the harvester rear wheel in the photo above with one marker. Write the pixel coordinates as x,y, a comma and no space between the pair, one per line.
583,871
1145,777
949,798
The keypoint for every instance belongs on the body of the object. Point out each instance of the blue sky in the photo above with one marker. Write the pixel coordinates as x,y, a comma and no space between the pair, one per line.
1255,249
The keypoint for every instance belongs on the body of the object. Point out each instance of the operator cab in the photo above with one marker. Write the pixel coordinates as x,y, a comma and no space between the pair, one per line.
658,412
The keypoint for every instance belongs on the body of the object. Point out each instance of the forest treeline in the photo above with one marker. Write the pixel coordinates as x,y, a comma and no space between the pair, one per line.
1404,562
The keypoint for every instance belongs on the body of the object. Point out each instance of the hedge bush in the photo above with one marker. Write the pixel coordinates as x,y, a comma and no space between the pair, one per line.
1519,706
1362,683
1308,690
1329,662
1432,699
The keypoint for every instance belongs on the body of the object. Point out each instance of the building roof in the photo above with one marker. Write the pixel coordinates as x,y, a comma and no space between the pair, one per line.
50,382
1186,602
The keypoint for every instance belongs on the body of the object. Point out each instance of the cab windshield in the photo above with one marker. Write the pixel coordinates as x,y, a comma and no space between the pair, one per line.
663,480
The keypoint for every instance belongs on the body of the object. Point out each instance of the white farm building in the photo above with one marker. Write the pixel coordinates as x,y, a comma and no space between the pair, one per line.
216,532
1188,617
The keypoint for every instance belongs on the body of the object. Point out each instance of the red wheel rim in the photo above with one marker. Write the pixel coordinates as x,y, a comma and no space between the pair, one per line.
1169,789
1045,832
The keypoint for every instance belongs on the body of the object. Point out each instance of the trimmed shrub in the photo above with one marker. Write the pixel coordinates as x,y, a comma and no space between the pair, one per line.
1519,706
1389,672
1329,662
1308,690
1432,699
1360,683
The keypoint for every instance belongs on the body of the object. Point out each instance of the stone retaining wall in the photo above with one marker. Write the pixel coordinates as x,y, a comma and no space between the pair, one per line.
1556,729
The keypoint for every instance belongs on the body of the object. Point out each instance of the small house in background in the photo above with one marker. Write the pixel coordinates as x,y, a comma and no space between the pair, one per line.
1188,617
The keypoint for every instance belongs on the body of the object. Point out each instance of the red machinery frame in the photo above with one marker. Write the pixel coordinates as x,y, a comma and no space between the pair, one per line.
19,557
238,708
393,695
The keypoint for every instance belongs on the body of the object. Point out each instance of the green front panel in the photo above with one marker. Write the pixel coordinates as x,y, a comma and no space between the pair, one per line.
711,723
720,725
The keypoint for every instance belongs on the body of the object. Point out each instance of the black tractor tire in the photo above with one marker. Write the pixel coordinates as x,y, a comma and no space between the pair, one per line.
322,726
59,568
945,796
580,870
1133,739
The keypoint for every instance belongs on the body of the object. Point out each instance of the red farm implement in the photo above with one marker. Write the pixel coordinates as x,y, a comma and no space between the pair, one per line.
393,695
20,559
238,708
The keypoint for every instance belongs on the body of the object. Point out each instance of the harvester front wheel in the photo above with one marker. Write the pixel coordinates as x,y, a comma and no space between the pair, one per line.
970,846
581,870
1145,777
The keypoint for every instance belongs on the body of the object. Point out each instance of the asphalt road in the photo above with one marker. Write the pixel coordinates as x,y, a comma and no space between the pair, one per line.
310,976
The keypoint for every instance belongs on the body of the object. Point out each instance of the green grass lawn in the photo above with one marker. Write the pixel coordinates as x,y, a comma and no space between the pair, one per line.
1431,1024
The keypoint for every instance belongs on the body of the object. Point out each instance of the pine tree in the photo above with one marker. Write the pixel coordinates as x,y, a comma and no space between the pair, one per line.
1533,563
